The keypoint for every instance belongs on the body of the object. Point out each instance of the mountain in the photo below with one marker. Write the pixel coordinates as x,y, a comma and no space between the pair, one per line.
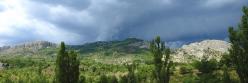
130,45
195,51
210,48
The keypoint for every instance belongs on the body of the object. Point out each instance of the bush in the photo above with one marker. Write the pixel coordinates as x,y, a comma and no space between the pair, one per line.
124,79
206,66
103,79
185,70
113,79
82,79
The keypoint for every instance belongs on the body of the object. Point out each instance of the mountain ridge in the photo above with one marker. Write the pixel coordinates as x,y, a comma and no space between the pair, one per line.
210,48
193,50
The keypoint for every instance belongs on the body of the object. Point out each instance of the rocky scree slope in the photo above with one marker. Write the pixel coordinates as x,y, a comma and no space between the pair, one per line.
210,48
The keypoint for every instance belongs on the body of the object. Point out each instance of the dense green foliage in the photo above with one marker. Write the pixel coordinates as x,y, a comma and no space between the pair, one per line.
239,48
108,47
162,60
206,66
67,66
91,71
131,78
206,70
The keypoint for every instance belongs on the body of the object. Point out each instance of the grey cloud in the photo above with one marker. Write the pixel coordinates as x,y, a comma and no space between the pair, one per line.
181,19
174,20
21,35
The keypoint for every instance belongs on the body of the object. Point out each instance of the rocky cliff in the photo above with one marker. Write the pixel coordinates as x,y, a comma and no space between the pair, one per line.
29,47
210,48
35,45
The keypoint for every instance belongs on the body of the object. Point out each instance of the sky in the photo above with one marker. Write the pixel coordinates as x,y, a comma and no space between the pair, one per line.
82,21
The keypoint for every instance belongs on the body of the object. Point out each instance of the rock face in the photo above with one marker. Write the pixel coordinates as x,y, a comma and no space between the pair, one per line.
26,47
35,45
210,48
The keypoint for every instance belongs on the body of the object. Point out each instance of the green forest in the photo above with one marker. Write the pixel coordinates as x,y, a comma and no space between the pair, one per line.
114,62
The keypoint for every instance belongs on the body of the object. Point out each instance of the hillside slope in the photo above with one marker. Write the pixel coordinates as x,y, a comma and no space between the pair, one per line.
130,45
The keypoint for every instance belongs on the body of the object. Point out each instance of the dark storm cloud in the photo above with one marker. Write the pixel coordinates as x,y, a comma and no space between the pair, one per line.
185,19
173,20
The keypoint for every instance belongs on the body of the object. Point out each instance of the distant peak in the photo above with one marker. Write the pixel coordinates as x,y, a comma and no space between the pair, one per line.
216,45
133,39
31,45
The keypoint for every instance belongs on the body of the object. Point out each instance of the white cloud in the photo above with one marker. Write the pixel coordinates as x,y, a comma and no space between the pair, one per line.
13,15
15,23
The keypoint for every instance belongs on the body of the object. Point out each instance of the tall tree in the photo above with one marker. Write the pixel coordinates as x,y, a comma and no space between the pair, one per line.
162,60
239,47
67,66
60,67
73,67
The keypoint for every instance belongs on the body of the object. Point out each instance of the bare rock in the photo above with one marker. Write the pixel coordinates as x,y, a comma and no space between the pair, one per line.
28,48
211,48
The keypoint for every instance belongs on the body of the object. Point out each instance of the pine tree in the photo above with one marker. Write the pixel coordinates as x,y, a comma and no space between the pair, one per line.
60,67
67,66
162,61
239,47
